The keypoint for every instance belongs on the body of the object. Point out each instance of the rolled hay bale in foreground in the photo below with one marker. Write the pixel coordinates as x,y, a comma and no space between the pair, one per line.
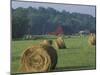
59,43
47,45
53,55
38,59
92,39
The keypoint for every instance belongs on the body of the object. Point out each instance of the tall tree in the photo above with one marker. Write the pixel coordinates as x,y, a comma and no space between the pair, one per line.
19,22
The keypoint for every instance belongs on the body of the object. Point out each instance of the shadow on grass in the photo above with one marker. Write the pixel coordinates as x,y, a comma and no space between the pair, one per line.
74,48
61,69
73,68
71,49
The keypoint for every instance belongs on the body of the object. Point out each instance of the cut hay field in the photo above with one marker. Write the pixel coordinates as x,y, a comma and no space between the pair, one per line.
78,55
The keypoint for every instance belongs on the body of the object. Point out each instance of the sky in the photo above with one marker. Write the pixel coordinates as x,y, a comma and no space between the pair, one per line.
83,9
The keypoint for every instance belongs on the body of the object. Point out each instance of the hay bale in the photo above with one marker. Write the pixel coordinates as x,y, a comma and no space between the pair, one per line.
92,39
53,55
56,44
38,59
59,43
46,43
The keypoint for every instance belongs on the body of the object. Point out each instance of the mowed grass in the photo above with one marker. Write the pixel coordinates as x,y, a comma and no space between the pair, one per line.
78,55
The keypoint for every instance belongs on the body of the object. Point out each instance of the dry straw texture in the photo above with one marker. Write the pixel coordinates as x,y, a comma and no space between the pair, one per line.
46,43
38,59
92,39
59,43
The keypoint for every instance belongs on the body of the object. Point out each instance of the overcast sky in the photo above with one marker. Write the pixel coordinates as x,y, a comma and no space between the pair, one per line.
84,9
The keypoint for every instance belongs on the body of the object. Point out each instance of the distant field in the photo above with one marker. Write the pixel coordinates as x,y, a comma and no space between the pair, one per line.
78,55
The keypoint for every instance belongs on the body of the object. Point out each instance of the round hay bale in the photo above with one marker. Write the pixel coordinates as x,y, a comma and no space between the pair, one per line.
38,59
53,55
92,39
59,43
46,43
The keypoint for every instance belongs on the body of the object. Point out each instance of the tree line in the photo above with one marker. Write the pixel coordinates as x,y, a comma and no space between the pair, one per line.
40,21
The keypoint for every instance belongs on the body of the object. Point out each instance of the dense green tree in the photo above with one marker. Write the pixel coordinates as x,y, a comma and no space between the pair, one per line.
19,22
39,21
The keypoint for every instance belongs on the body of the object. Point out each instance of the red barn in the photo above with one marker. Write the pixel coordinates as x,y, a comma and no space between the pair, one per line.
59,30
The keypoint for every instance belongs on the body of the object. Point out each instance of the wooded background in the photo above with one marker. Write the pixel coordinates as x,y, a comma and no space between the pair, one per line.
41,21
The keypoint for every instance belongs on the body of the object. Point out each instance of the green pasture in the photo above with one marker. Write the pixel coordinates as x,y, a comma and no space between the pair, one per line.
78,55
